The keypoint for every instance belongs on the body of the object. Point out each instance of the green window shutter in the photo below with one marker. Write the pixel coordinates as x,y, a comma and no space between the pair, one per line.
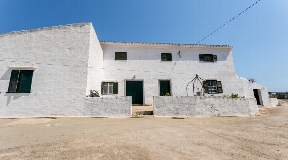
101,87
25,80
214,58
163,57
166,57
205,86
120,55
169,57
13,81
115,88
201,57
219,87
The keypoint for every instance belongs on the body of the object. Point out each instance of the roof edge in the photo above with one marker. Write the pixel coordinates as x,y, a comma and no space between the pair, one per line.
46,28
164,44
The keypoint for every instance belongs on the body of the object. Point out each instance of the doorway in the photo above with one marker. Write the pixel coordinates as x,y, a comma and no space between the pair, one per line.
257,95
165,87
135,89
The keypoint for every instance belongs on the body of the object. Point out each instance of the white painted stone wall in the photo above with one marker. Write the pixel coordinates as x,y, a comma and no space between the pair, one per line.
273,101
204,106
68,61
244,87
90,106
144,61
95,64
108,106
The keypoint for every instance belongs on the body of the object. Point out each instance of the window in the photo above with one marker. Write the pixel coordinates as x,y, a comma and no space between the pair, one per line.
212,86
207,57
120,55
109,88
165,87
166,57
20,81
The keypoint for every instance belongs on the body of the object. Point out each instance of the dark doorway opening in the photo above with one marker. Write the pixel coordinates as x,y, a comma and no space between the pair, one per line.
135,89
165,87
257,95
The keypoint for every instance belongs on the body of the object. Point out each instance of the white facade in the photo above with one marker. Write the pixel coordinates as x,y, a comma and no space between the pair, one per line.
69,61
144,64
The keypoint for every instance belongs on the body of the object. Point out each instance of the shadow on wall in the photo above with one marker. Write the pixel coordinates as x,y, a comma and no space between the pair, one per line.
6,75
14,96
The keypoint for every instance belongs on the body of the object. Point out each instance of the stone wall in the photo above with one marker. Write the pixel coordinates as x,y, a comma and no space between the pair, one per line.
204,106
144,64
87,107
273,102
108,106
67,64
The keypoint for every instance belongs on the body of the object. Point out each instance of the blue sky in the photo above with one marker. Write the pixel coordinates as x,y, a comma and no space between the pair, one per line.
259,36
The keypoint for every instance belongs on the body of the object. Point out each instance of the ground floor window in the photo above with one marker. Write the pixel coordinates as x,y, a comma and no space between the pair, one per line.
212,86
109,88
165,88
20,81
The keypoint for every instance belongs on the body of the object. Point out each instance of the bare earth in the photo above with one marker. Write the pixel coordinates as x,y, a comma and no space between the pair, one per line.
260,137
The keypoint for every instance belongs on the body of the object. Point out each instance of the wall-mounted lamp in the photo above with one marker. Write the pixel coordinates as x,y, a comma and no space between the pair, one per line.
179,53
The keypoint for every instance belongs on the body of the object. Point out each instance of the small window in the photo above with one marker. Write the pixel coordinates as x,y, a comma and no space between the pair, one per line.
120,55
165,88
166,57
207,57
20,81
212,86
109,88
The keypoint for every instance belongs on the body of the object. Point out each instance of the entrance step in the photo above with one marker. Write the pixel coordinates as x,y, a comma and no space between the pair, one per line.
142,110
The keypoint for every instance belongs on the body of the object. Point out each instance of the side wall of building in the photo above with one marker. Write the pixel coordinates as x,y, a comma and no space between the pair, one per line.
95,64
60,55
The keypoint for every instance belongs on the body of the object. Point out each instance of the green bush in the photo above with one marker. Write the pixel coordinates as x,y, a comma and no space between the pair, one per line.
167,94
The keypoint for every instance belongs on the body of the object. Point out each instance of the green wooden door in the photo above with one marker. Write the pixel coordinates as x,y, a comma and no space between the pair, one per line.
164,87
135,89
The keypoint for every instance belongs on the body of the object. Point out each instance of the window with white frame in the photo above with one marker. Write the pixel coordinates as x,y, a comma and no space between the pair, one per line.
109,88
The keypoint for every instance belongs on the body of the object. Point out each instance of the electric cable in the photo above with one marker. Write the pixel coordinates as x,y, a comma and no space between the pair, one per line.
223,25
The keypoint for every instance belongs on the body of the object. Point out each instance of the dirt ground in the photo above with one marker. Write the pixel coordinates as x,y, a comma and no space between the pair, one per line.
260,137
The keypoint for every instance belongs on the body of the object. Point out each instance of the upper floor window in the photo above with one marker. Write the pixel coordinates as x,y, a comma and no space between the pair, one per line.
120,55
20,81
212,86
207,57
166,57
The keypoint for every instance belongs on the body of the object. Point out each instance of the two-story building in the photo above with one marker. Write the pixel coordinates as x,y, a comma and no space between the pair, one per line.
51,71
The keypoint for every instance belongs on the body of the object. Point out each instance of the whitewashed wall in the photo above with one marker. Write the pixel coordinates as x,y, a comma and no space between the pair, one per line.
204,106
274,102
68,61
95,64
108,106
144,61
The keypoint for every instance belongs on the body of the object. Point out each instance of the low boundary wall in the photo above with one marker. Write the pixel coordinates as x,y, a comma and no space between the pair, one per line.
80,107
109,106
274,102
204,106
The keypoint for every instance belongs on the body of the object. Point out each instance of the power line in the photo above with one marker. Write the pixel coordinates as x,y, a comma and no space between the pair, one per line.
224,24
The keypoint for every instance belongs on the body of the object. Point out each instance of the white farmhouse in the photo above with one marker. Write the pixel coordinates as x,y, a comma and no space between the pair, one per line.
51,72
